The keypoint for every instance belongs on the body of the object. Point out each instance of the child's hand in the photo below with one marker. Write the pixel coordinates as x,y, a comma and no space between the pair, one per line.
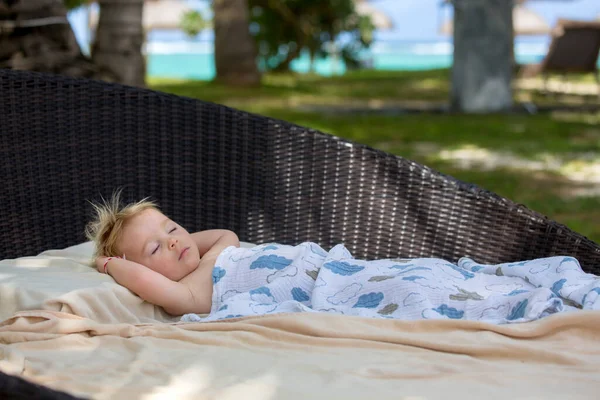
102,263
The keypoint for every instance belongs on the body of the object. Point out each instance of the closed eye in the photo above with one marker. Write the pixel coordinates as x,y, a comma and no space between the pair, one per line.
158,246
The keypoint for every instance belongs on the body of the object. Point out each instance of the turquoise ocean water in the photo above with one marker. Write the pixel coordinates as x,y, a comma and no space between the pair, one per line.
194,60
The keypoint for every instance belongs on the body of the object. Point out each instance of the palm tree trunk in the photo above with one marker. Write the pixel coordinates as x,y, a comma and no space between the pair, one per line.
483,46
235,49
119,39
35,35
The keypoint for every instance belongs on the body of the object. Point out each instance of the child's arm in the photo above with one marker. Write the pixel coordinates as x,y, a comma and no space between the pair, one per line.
175,297
211,242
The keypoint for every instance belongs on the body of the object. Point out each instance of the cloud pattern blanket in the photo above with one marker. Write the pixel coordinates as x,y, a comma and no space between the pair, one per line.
275,278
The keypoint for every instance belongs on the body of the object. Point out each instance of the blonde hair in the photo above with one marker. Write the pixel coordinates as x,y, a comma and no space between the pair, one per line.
108,222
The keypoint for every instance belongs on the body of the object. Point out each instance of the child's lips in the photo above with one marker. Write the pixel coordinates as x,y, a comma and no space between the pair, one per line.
183,252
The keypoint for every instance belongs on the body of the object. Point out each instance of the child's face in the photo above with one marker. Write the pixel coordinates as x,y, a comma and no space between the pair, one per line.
152,239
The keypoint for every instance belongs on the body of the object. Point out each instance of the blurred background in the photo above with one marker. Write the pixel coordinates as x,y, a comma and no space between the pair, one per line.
408,35
501,93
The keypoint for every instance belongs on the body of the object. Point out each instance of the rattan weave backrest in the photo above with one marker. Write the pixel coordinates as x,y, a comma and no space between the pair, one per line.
65,141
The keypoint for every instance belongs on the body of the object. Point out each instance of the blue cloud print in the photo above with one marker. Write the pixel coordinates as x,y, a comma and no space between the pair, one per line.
449,312
557,286
594,290
516,292
271,262
299,295
572,264
343,268
262,295
412,278
402,267
217,274
516,264
466,274
370,300
518,311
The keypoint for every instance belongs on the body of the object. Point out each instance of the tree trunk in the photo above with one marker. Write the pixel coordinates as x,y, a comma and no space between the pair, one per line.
35,35
119,39
482,67
235,49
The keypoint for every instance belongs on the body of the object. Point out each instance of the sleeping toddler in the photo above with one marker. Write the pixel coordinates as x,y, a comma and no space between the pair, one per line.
206,276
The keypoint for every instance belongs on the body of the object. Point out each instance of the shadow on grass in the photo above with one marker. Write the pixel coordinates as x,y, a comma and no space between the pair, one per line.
526,136
358,85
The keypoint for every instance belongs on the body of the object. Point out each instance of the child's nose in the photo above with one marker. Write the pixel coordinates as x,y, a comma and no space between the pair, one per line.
172,242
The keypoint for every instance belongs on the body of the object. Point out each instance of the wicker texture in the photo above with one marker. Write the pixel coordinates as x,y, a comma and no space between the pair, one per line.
65,141
16,388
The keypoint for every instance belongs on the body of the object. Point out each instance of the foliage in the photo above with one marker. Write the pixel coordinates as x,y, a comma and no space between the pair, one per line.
362,32
193,22
71,4
285,28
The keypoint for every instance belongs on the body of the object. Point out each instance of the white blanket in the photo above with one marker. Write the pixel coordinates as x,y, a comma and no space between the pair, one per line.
275,278
85,334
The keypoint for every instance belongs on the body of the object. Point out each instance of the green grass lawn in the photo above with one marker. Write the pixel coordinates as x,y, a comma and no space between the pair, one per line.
546,161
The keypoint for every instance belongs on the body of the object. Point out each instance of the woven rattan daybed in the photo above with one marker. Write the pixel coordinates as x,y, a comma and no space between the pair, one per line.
64,141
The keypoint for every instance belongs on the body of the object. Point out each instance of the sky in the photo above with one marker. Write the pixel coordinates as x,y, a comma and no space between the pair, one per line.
420,19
